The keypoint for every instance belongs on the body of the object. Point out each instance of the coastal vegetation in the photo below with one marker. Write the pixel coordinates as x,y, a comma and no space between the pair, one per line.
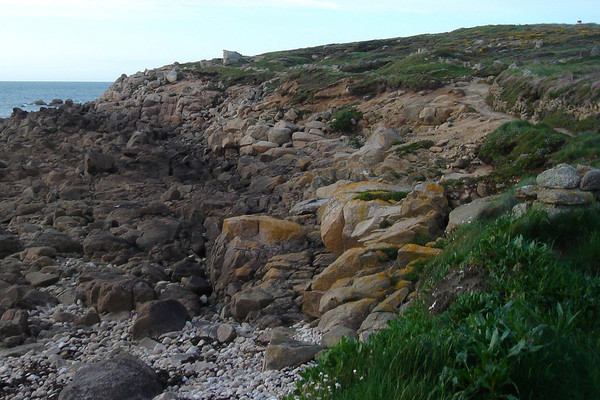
529,330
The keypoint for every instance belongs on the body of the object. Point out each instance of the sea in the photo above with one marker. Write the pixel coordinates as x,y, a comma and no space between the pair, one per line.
24,95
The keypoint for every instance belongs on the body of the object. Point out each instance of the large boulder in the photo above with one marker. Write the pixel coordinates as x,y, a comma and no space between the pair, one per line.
350,315
246,301
110,292
158,317
231,57
250,239
289,353
123,377
467,213
9,244
97,162
345,266
343,212
563,176
157,231
99,242
25,297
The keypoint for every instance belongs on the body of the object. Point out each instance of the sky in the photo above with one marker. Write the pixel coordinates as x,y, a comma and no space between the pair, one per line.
98,40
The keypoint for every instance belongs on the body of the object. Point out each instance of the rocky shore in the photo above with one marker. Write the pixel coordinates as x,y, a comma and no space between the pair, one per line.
186,239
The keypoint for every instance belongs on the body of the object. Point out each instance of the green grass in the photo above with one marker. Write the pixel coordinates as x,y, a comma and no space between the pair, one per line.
381,195
533,334
519,148
411,148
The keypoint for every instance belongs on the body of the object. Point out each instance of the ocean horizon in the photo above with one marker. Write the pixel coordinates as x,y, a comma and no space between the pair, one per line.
24,94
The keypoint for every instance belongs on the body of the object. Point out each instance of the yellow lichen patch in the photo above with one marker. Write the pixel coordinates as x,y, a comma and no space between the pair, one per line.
413,251
262,228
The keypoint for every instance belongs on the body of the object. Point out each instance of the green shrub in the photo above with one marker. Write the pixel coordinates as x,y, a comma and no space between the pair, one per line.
345,119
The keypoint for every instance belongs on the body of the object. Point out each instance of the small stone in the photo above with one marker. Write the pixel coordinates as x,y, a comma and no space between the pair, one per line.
226,333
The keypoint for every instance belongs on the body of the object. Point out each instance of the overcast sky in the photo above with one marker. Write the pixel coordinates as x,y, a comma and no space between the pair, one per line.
98,40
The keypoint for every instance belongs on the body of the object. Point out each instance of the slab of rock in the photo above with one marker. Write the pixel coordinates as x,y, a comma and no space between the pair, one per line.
97,162
158,317
373,323
563,176
262,228
40,279
468,213
171,76
25,297
345,266
351,315
61,242
564,197
99,242
253,299
157,231
335,335
289,353
123,377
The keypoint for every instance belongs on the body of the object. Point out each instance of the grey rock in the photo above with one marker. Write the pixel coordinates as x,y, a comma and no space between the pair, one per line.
100,242
185,269
309,206
595,52
350,315
231,57
334,336
591,180
280,135
123,377
172,76
226,333
40,279
191,301
564,197
90,318
527,192
158,317
289,354
61,242
467,213
9,244
25,297
157,231
244,302
563,176
197,285
373,323
97,162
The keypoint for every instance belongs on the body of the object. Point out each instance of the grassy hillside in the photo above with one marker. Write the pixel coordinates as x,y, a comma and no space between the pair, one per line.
552,65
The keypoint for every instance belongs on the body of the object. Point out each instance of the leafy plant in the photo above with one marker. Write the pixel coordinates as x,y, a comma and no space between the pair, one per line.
345,119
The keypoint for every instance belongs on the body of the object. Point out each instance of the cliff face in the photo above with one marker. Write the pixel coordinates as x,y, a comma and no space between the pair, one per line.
281,188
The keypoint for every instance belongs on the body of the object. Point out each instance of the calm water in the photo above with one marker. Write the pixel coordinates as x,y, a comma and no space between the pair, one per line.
24,94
